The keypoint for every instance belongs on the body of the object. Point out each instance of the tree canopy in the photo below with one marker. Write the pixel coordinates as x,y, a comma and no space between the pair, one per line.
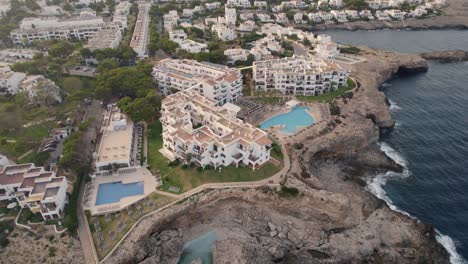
142,108
128,81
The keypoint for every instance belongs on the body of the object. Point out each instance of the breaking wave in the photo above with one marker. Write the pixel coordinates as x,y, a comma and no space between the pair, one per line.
393,106
449,245
376,186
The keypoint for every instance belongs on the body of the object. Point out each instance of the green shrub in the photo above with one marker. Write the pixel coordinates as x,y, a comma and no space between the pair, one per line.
350,50
334,109
288,192
52,251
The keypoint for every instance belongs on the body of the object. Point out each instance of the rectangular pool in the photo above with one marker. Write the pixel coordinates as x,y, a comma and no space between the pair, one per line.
114,191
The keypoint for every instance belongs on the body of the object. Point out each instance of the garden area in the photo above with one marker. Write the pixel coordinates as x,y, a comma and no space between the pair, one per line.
108,229
329,97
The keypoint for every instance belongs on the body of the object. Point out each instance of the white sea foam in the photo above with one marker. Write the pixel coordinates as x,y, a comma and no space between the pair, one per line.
450,245
376,186
386,85
394,106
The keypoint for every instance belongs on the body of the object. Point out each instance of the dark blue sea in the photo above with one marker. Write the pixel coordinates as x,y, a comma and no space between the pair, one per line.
431,135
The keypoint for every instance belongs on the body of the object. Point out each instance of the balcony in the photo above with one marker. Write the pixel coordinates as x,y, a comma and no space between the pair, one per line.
253,158
237,156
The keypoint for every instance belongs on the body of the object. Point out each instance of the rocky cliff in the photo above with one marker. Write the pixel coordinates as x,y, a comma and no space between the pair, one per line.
332,220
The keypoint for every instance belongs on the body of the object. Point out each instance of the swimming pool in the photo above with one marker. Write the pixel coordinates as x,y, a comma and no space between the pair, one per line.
290,121
114,191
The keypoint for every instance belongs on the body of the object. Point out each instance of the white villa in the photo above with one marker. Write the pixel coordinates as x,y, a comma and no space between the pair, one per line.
325,48
300,76
196,130
35,188
177,36
237,54
170,20
214,81
193,46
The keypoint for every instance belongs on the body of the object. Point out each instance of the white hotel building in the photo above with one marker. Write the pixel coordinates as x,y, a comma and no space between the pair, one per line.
35,188
196,130
214,81
79,28
299,76
116,144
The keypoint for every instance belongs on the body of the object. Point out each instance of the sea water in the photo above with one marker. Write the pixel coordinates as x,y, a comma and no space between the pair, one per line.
430,139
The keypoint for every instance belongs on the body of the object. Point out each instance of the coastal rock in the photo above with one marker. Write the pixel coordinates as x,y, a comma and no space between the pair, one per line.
446,56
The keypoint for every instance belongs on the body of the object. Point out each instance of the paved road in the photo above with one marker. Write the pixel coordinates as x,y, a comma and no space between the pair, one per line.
85,238
299,49
95,111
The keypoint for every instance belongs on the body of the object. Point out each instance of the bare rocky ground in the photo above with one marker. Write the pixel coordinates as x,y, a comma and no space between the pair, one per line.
454,16
333,220
45,247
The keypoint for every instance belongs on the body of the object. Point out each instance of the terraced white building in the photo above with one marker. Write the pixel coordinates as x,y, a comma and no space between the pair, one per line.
299,76
197,130
214,81
35,188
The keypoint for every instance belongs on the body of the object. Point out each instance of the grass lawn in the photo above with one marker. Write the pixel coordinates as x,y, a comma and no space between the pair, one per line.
106,228
189,178
156,161
329,97
9,212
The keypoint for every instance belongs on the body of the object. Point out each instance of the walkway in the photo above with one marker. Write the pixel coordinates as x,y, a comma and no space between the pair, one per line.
83,230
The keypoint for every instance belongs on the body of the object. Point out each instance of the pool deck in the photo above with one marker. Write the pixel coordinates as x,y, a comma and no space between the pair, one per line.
140,174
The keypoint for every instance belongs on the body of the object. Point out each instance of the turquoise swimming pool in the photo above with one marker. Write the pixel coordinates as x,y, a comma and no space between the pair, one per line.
290,121
114,191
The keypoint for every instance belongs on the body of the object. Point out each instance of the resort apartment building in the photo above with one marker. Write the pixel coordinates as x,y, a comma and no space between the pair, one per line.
35,188
75,28
299,76
214,81
197,130
116,144
107,38
140,36
121,13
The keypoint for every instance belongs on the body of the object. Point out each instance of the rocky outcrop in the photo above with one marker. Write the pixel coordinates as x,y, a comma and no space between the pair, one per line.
447,56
